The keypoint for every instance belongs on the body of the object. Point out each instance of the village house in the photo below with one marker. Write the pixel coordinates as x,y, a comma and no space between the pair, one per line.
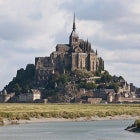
94,100
102,93
30,97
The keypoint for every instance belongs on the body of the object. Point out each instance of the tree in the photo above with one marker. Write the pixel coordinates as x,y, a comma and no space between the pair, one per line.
63,79
97,73
23,81
20,75
81,84
121,78
90,85
106,78
17,89
30,71
114,86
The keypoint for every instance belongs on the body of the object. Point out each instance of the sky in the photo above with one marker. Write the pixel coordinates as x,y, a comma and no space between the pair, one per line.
33,28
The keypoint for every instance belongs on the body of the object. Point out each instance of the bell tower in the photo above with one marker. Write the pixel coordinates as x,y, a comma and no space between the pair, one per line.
74,38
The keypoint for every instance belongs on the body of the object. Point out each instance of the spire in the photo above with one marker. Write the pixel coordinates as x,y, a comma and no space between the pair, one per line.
96,52
74,27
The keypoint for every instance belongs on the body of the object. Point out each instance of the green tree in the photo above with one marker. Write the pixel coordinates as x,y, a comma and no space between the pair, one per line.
20,75
114,86
63,79
106,78
97,73
23,81
17,89
81,84
90,85
121,78
30,71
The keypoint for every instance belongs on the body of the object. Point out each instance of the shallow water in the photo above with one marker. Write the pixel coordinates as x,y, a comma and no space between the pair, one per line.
92,130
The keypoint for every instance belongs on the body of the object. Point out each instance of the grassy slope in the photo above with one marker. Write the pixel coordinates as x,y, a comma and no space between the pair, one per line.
26,111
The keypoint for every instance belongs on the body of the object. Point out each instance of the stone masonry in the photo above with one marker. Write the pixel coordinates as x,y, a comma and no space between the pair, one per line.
78,54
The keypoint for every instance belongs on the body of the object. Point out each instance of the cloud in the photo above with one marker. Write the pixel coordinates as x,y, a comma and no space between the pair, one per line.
31,28
102,10
28,30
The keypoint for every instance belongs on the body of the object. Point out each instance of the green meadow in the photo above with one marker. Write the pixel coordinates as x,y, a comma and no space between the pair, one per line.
27,111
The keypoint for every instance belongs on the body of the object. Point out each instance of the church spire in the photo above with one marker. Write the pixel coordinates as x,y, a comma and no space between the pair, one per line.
74,39
96,52
74,27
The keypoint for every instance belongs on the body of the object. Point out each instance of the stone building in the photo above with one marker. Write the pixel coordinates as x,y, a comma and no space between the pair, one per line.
103,93
30,97
4,97
77,54
124,87
94,100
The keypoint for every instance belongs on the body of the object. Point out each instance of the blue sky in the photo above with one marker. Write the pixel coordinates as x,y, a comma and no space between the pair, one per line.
32,28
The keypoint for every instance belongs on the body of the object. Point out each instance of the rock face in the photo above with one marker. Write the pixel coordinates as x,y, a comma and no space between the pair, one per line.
78,54
135,127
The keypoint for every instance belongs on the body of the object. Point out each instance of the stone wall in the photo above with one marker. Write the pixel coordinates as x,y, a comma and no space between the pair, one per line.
94,100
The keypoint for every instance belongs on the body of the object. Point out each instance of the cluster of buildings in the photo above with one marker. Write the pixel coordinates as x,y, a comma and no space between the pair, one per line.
77,54
127,93
31,97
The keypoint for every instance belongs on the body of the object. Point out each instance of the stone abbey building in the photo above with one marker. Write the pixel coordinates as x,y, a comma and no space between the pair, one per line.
78,54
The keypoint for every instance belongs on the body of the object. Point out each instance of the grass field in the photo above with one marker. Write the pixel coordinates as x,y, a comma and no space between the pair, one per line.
26,111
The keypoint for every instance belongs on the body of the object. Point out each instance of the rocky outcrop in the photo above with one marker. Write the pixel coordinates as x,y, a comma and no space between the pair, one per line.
135,127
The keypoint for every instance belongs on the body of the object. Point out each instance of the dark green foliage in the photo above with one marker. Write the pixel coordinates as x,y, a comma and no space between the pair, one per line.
81,84
17,89
90,85
98,72
57,79
121,78
23,80
106,78
137,123
30,72
20,75
63,79
114,86
54,78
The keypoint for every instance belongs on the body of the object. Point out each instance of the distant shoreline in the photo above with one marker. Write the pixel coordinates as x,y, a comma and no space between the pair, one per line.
47,120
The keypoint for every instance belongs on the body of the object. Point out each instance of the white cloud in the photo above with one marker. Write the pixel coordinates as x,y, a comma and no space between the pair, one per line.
89,28
30,28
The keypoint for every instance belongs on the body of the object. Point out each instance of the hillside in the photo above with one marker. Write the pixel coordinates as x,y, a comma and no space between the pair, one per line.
63,87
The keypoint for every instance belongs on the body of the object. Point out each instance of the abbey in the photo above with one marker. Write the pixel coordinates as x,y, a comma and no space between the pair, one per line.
78,54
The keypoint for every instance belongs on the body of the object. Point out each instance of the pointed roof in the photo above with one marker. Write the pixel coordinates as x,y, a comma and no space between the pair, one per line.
96,52
74,34
74,26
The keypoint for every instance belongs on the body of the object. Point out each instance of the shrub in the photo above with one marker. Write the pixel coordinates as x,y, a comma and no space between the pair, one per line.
137,123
